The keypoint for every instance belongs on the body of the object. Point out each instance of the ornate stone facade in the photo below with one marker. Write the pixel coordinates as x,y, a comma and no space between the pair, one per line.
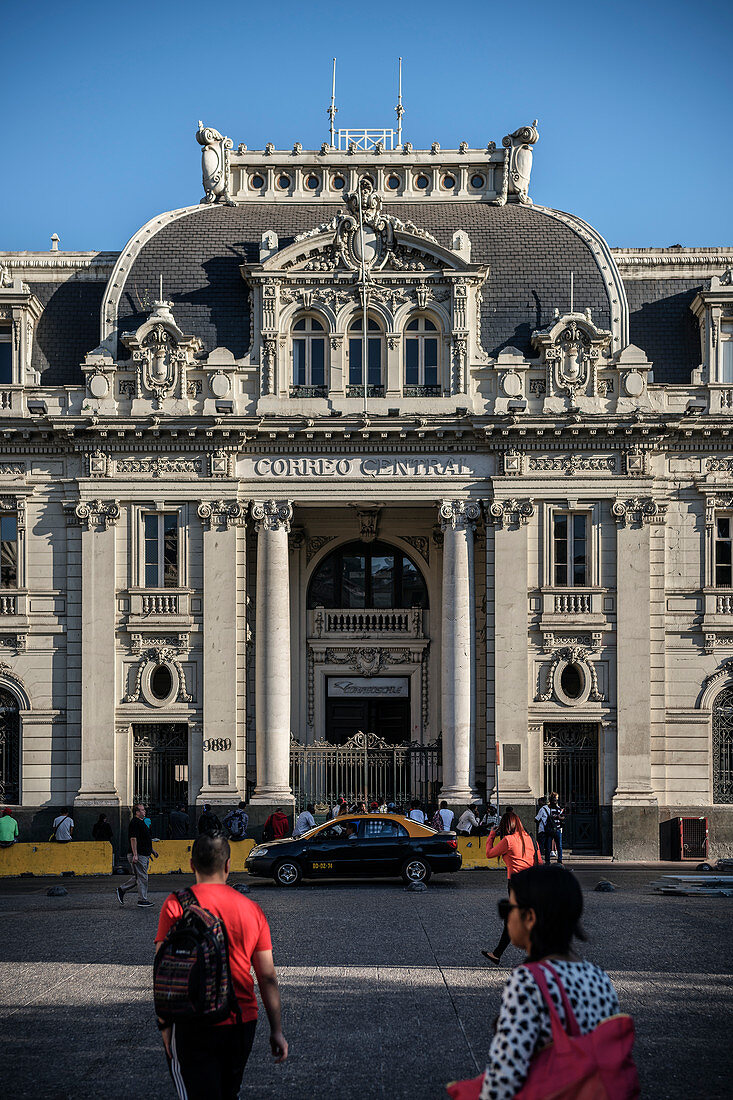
556,495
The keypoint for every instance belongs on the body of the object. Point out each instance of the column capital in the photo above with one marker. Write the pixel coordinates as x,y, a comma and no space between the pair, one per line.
459,515
272,515
94,514
223,513
507,513
641,510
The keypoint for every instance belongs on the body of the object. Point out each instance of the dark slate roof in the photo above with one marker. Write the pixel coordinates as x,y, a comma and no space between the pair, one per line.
67,329
530,254
662,324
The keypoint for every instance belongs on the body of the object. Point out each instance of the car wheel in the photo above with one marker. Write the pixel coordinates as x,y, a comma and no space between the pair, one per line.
288,873
416,870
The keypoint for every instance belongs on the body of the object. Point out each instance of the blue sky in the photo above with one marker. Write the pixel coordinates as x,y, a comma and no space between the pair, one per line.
101,103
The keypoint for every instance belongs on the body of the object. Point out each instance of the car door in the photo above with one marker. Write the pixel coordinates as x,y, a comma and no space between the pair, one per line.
329,851
382,842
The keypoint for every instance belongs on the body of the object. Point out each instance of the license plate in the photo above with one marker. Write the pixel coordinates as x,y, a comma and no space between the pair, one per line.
323,867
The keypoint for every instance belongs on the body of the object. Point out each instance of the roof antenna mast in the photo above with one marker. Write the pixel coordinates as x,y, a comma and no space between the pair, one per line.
333,108
399,108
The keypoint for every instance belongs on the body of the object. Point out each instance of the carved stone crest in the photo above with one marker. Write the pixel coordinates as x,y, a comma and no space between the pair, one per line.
214,164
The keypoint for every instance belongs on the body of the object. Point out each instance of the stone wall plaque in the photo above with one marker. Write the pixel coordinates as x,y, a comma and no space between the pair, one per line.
218,775
512,755
368,687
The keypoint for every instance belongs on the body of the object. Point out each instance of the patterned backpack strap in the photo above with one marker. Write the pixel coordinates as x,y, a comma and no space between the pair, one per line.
185,898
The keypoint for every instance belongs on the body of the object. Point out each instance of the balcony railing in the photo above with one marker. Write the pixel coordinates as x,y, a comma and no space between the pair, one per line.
160,604
309,391
724,605
573,603
423,391
406,622
8,605
358,391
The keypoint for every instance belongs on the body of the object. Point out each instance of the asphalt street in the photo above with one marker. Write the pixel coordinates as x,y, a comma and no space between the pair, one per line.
385,993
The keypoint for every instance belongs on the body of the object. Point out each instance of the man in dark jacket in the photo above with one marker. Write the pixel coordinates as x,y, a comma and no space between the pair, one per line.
209,823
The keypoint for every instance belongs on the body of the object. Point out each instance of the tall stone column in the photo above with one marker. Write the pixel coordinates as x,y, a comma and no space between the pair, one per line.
272,652
458,650
98,691
510,520
635,813
221,521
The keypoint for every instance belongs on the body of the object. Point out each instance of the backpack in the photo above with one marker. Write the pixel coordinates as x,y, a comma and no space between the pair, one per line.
581,1067
210,825
437,822
268,833
551,829
236,823
191,975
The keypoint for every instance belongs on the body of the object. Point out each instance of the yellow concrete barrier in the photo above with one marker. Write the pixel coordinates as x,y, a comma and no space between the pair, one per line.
473,850
175,855
78,857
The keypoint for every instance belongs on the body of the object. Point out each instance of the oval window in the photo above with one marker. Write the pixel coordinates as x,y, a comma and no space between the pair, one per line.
422,182
161,682
448,182
312,182
477,182
572,681
393,182
257,182
338,183
283,182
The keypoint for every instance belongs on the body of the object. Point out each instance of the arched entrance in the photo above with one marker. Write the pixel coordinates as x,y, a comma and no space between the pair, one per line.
9,748
723,746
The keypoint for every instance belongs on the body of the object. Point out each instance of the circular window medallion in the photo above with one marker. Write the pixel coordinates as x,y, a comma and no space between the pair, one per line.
634,384
312,182
393,182
477,182
220,385
512,384
572,682
283,182
161,682
448,182
422,182
256,182
338,183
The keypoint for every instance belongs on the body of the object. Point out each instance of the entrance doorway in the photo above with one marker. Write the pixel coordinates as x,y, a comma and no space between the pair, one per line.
571,769
160,759
388,718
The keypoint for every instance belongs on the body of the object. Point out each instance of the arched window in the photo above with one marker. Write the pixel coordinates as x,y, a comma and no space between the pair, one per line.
9,749
375,359
723,747
422,358
309,358
367,574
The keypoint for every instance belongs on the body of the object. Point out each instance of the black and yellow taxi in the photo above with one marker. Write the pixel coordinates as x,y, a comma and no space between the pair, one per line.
363,845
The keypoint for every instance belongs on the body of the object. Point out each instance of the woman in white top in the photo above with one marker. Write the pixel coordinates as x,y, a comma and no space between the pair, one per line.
543,915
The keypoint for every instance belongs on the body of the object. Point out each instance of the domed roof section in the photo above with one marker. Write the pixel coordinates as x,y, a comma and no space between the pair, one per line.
531,252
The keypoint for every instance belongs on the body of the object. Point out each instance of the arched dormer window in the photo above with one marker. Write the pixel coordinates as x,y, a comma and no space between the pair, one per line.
375,359
309,358
367,575
422,358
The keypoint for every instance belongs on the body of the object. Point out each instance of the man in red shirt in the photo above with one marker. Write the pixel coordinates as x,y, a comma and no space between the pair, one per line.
207,1061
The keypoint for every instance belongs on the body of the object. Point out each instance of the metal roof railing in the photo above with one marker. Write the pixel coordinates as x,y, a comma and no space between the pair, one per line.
364,140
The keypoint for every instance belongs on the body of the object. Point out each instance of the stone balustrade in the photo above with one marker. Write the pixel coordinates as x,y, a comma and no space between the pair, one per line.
160,604
405,621
8,605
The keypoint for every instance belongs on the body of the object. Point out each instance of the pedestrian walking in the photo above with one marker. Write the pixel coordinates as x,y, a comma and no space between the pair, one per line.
305,821
207,1061
553,827
447,817
179,824
416,812
237,822
540,821
209,822
519,852
530,1048
141,849
8,829
63,828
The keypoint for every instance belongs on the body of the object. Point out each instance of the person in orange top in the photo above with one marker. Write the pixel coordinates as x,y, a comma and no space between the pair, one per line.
519,851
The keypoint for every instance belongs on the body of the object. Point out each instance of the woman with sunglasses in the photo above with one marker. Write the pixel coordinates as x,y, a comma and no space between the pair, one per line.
543,915
519,851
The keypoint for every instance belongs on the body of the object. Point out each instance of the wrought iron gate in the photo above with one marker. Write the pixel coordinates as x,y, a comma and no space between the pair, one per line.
9,749
365,767
160,754
571,769
723,747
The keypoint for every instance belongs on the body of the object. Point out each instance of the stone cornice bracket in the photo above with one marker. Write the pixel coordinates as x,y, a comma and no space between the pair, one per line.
271,515
639,510
97,513
368,520
222,513
459,515
508,513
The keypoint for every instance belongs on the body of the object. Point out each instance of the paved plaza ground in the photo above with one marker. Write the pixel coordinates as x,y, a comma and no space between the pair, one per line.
385,992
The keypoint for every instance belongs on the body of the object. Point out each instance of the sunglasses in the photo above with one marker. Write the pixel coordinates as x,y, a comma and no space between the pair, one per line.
505,907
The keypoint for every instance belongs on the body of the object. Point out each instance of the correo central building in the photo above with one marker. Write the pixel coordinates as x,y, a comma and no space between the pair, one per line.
368,474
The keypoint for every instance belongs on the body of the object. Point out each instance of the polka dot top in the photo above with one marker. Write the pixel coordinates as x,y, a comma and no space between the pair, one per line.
524,1026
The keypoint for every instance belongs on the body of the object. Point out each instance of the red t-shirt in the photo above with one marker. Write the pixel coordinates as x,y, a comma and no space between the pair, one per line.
247,932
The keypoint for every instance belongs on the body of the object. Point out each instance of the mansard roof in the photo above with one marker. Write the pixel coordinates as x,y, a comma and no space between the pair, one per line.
530,252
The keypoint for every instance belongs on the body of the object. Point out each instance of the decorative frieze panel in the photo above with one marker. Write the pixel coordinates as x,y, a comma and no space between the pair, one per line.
159,466
176,643
570,464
